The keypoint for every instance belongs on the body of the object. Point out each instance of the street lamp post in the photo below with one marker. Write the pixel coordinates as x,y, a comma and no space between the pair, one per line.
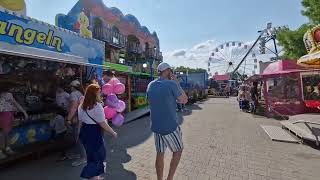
151,69
151,61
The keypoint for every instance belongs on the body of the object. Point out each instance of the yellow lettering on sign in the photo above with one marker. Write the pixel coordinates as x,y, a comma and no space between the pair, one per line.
41,37
16,30
49,38
3,27
57,43
29,36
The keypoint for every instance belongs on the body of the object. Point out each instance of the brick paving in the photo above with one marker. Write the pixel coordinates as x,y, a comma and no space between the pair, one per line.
221,143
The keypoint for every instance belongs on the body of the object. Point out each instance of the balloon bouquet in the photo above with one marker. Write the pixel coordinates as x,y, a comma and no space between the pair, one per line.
114,107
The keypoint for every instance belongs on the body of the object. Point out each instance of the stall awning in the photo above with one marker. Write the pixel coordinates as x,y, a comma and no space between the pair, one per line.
140,74
253,78
118,67
29,52
283,67
224,77
28,37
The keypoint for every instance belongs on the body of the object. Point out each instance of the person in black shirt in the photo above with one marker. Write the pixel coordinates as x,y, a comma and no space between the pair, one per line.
254,96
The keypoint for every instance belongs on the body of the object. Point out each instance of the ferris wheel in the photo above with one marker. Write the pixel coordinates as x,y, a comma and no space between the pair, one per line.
226,57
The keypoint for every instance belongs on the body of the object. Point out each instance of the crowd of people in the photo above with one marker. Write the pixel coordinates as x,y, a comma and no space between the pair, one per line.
248,97
83,113
80,113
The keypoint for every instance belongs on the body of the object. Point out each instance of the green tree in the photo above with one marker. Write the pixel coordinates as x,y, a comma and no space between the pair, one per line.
312,10
292,40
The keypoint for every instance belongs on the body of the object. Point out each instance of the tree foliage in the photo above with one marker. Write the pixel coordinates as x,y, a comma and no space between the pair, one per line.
312,10
292,40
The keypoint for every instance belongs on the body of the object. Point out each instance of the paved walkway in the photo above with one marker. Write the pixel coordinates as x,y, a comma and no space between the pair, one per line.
221,143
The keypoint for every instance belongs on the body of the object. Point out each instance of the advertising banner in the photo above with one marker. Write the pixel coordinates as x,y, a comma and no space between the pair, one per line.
26,35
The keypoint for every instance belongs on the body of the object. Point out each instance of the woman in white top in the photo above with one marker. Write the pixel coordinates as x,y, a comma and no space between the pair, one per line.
8,106
93,124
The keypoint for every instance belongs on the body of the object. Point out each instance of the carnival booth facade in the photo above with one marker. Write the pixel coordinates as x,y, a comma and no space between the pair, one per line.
285,88
311,80
37,59
132,51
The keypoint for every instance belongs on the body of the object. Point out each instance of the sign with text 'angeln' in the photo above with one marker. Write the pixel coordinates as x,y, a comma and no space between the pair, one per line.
19,31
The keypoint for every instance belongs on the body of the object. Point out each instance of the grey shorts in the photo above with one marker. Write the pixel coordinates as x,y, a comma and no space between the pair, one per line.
172,140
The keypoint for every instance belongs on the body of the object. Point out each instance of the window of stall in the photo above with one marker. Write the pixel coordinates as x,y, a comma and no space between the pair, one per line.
283,88
311,85
33,83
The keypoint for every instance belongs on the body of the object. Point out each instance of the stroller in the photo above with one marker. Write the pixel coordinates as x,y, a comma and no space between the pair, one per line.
243,98
244,105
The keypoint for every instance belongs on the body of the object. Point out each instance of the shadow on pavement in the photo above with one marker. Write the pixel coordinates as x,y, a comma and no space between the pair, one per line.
194,107
129,135
189,110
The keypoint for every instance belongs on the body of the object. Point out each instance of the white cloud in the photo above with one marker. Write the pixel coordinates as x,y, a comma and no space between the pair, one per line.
179,53
198,55
205,46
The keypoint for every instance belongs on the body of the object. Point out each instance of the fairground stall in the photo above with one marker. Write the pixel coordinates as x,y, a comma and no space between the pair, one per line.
122,72
195,85
219,84
36,59
306,126
284,88
132,51
311,80
139,84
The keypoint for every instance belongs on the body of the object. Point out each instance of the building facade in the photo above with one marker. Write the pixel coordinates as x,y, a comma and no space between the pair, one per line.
127,41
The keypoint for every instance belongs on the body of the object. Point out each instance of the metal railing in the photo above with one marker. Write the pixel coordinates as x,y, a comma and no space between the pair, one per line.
153,54
134,47
110,36
117,39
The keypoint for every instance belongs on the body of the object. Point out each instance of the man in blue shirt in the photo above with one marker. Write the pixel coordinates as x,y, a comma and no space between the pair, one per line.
163,95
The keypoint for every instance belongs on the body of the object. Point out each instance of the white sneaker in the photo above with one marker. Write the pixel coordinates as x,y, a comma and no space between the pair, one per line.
2,155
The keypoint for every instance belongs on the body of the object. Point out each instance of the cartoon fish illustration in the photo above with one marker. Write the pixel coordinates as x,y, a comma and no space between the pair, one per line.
17,6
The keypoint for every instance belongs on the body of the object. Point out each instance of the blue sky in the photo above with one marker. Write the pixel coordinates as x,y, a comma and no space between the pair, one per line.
184,24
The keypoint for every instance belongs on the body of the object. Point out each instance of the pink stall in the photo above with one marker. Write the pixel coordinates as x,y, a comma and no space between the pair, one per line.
284,88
